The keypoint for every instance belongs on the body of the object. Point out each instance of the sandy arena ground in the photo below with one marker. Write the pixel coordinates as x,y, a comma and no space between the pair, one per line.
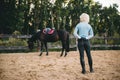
30,66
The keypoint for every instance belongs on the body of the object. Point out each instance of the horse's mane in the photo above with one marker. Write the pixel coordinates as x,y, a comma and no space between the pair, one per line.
35,36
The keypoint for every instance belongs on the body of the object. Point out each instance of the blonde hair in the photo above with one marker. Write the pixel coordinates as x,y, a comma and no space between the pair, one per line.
84,17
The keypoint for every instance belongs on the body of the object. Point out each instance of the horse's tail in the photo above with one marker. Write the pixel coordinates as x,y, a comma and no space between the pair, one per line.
67,42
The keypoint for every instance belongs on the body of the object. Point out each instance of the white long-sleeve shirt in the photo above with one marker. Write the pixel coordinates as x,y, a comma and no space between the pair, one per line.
83,29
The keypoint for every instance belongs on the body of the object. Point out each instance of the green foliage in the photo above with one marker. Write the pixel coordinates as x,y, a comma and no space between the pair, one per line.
16,33
16,42
13,41
97,41
114,41
23,18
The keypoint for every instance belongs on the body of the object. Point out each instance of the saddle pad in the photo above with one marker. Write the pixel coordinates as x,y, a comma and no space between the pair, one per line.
48,31
51,31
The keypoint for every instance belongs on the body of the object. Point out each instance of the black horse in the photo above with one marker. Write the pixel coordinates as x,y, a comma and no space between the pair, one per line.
50,36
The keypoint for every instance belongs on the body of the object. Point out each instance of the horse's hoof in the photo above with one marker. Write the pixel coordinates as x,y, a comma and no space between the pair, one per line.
65,55
40,55
61,55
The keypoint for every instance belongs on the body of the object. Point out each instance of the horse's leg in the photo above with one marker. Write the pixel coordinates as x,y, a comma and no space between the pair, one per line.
65,49
66,44
65,53
62,48
41,51
45,43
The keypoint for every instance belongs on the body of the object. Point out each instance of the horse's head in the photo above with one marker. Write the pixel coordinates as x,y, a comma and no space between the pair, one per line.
30,44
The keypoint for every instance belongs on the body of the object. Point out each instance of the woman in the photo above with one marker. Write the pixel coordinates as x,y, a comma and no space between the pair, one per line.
83,32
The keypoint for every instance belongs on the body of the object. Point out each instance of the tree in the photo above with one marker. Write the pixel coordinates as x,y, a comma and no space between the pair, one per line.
7,16
27,16
95,17
107,19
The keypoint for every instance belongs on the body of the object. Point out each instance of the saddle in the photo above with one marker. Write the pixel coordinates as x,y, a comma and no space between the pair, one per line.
48,31
50,34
